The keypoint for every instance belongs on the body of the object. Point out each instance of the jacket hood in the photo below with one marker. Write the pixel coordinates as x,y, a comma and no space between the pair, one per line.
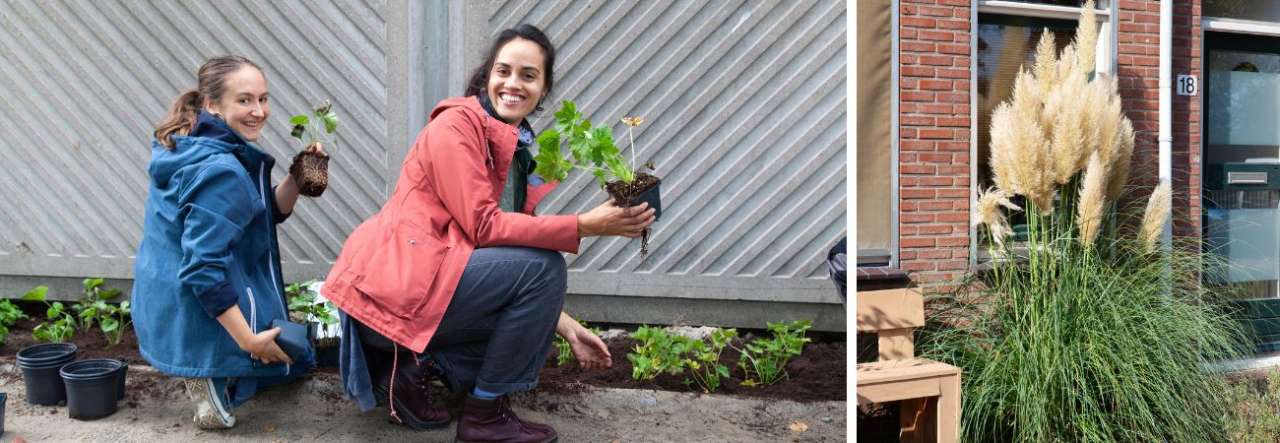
209,137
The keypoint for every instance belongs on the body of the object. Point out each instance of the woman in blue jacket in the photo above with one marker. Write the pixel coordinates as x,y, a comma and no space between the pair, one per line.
207,280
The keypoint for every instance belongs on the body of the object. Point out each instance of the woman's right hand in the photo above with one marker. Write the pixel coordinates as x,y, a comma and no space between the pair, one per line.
608,219
262,347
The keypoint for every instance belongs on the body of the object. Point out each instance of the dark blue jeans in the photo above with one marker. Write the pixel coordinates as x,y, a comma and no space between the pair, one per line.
498,328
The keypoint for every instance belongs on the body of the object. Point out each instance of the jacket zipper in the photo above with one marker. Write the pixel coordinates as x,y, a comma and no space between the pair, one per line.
271,266
253,311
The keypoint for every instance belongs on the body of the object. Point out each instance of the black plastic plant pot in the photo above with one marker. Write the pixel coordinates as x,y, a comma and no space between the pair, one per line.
653,198
3,399
327,357
120,376
40,365
91,387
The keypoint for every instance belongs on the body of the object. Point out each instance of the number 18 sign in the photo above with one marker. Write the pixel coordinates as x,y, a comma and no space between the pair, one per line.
1187,85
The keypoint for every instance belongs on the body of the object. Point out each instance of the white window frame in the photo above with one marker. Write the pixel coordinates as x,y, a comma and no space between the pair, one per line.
1107,53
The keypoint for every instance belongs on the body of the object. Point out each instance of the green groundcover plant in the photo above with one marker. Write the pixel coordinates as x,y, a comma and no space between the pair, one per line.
1089,330
60,323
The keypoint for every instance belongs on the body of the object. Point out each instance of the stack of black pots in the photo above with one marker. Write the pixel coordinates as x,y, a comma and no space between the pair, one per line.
90,388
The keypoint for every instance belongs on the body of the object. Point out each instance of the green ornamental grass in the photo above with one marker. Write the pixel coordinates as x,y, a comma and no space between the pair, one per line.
1086,330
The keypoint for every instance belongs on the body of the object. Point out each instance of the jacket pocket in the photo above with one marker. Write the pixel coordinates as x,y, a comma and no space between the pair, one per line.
399,270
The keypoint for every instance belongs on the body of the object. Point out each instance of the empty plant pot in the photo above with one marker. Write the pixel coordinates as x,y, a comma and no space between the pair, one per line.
121,374
91,387
40,365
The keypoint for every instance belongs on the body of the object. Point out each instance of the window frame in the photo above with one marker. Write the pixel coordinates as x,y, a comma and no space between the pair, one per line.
1108,36
876,256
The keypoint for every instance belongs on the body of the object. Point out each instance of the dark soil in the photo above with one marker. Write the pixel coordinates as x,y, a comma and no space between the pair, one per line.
622,192
818,374
89,344
310,170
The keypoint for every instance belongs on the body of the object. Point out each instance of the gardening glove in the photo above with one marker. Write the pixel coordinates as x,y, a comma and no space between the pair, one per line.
588,348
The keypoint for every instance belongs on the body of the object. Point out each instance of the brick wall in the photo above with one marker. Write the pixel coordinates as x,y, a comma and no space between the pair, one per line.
934,131
1138,67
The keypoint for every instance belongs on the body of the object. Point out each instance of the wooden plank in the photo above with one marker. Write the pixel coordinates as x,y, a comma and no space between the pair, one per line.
889,309
949,410
916,420
900,370
900,390
896,344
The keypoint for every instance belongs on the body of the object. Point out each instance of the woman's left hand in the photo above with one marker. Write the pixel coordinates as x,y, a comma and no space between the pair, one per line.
589,349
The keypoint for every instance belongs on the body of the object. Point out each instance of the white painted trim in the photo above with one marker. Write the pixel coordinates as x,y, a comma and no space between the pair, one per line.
1165,136
1238,26
894,253
973,132
1035,10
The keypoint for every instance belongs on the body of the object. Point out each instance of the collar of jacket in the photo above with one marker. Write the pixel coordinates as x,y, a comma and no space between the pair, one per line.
213,127
525,136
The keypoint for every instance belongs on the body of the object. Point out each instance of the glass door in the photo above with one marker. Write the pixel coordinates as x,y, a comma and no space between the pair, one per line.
1241,197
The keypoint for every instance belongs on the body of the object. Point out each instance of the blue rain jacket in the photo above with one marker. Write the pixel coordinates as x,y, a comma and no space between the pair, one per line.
208,244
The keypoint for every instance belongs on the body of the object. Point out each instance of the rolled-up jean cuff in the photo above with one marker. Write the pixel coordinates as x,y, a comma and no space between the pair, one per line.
505,388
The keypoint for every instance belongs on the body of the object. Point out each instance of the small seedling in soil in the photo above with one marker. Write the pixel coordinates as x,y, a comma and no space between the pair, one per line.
593,149
704,365
60,324
9,314
765,360
658,352
93,308
310,168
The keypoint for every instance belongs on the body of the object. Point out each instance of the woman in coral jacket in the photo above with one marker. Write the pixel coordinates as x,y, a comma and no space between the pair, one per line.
458,270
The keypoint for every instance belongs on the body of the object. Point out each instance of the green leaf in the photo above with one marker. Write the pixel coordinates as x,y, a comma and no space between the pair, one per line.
567,114
297,132
91,283
36,294
330,122
109,324
549,160
299,120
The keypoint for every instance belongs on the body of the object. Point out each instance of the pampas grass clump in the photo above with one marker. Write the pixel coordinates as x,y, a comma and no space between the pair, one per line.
1091,332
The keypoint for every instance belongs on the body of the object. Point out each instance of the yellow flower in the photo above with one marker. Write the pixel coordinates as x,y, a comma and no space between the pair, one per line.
633,121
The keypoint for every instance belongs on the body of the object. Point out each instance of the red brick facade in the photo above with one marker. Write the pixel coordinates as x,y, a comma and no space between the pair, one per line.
934,139
935,124
1138,67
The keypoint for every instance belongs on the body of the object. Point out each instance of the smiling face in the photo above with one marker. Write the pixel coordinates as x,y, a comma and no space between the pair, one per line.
244,103
517,80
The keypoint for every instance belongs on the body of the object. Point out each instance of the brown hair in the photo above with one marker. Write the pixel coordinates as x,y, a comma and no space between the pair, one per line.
480,77
212,83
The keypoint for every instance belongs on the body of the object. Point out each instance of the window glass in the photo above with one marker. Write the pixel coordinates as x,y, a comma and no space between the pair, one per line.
1261,10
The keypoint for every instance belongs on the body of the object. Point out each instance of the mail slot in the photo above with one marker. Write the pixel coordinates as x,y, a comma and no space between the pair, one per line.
1242,176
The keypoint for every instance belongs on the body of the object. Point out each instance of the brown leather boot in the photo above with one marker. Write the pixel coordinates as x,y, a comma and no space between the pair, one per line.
485,421
412,397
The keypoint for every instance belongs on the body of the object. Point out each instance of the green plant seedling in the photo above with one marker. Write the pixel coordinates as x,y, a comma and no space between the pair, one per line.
764,361
59,326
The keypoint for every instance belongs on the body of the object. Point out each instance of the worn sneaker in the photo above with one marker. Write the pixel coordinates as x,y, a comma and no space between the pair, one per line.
212,408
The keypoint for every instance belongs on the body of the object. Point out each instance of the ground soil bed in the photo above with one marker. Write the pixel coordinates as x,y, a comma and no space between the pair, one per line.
819,374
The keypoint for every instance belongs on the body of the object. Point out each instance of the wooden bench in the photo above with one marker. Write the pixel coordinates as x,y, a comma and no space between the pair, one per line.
928,391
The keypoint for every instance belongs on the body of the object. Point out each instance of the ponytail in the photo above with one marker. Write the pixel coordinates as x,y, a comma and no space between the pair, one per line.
182,116
211,83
